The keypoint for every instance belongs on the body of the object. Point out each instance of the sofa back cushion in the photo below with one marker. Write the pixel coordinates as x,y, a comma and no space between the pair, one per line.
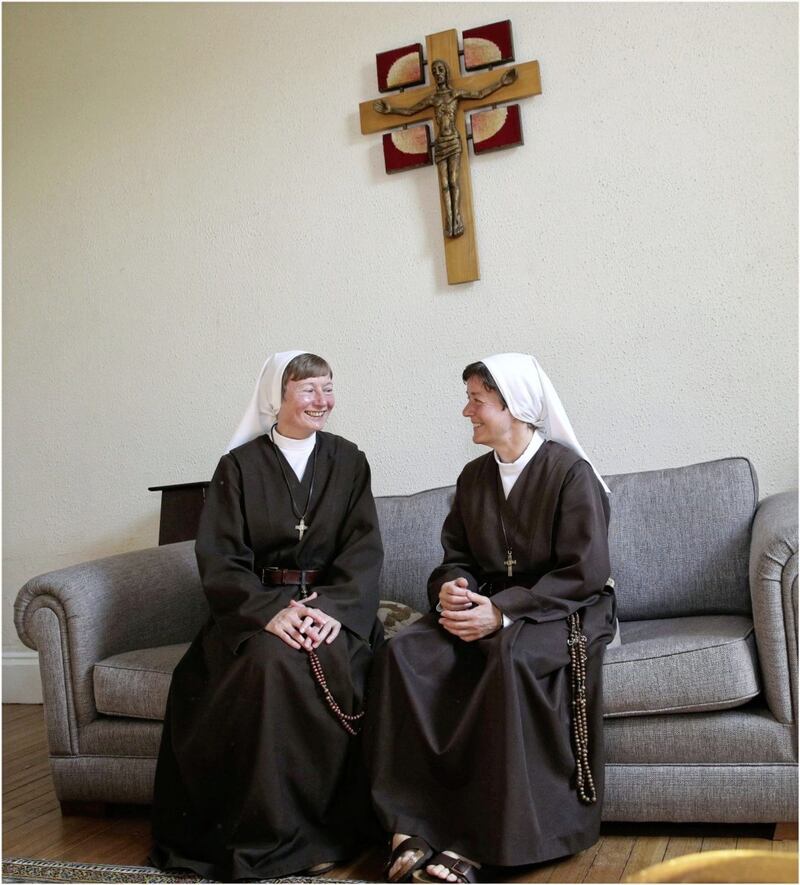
411,527
679,540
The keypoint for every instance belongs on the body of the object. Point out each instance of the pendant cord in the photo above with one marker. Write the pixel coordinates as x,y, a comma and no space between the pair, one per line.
300,516
509,561
500,511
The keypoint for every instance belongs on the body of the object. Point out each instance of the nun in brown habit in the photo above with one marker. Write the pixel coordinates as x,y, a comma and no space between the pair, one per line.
484,729
259,773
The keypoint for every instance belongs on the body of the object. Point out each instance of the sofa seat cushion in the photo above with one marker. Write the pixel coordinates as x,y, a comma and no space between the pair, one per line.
671,665
136,683
681,665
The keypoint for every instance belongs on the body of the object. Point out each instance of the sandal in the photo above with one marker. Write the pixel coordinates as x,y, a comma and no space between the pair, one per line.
413,843
464,870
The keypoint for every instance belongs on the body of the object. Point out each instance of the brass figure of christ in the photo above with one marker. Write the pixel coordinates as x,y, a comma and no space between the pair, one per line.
447,147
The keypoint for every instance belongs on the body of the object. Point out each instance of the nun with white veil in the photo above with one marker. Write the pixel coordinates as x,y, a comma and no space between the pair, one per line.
259,773
484,732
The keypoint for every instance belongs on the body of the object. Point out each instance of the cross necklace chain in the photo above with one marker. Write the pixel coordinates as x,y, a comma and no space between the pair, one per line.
509,562
302,526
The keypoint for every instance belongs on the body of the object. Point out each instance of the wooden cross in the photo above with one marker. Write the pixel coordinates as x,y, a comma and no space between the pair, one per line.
461,253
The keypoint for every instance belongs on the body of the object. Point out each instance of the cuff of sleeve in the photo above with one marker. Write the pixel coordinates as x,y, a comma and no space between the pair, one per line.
352,621
507,622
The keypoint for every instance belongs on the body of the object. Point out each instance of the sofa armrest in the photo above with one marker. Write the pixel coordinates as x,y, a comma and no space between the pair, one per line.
80,615
773,591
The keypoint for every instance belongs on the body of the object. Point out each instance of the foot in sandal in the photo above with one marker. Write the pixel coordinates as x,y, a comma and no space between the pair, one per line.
447,866
408,855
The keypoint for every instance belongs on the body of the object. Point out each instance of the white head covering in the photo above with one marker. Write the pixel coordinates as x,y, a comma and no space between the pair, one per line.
531,398
262,412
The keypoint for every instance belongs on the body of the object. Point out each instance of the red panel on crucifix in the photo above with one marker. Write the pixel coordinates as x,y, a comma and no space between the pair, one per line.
496,129
407,148
399,68
489,45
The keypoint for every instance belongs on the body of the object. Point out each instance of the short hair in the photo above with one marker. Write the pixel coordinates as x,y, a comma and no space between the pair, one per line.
478,370
304,365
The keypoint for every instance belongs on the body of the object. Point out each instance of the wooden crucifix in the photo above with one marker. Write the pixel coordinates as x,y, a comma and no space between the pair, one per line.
445,102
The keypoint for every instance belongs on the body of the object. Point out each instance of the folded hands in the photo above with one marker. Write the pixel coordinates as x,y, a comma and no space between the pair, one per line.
303,627
465,614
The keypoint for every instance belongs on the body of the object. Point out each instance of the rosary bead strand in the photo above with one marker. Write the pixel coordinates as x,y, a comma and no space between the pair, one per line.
577,643
319,676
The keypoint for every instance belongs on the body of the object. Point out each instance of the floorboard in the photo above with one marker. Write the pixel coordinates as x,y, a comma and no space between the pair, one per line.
680,845
610,860
647,851
573,869
33,826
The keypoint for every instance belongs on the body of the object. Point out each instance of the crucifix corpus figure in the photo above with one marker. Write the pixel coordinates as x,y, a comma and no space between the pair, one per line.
447,147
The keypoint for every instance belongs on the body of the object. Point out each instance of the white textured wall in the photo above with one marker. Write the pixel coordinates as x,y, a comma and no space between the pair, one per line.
186,189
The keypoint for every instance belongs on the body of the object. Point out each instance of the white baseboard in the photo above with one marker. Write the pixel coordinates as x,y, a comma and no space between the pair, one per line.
21,682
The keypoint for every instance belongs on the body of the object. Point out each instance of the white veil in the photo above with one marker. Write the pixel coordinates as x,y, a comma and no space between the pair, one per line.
532,398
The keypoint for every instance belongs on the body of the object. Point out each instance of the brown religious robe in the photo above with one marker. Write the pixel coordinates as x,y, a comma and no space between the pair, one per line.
255,776
469,744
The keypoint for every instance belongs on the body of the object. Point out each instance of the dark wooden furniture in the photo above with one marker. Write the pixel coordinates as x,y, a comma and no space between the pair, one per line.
181,506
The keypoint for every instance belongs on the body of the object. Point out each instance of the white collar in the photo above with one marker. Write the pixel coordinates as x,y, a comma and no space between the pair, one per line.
515,467
300,446
509,472
296,451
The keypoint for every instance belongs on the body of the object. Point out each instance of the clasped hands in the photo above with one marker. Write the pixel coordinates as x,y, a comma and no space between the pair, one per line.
303,627
465,614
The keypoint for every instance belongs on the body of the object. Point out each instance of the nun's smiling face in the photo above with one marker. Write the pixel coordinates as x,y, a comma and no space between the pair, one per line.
491,423
305,406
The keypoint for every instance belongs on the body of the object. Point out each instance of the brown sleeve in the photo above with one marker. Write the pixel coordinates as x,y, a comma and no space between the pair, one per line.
350,592
458,561
580,565
240,604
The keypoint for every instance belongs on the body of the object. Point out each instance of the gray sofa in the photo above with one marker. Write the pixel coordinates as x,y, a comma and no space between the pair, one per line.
700,698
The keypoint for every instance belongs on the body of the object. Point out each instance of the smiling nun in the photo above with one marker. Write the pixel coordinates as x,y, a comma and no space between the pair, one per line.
258,776
475,752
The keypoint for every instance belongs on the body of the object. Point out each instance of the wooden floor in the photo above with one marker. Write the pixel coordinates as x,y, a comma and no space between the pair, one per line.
34,827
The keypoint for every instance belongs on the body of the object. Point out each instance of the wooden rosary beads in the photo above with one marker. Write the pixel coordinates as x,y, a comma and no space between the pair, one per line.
577,643
345,719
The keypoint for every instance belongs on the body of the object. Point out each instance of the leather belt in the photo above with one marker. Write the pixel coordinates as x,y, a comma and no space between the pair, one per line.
287,576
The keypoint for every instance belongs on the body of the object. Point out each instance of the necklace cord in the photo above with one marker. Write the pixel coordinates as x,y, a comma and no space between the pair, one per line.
278,455
510,561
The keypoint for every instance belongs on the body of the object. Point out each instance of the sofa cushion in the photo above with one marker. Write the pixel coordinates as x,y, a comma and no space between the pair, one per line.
674,665
680,539
681,665
411,527
136,683
747,735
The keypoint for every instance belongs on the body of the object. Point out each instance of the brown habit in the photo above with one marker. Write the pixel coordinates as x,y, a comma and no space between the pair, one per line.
469,744
255,777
